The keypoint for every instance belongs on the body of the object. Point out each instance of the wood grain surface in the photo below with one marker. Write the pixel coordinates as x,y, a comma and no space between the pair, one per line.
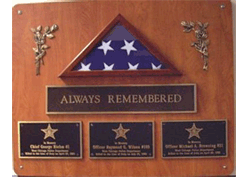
159,22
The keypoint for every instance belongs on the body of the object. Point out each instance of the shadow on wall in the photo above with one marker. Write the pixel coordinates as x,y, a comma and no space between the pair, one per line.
234,37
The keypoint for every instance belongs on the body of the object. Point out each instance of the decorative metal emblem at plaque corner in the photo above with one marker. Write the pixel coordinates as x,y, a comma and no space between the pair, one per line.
202,42
40,39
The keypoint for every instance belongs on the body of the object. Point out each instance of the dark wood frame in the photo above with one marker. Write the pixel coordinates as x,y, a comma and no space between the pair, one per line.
171,70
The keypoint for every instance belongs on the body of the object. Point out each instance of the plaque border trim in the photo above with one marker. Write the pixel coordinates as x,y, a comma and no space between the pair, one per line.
81,141
194,157
117,158
122,112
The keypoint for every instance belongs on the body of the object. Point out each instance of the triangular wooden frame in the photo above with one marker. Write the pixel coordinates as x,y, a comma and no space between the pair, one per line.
171,70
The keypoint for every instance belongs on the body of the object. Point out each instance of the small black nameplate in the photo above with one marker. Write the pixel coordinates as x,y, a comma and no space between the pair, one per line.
180,98
194,139
48,140
121,140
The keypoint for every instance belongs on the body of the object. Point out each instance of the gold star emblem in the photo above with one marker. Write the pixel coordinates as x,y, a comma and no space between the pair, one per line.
120,132
194,131
49,132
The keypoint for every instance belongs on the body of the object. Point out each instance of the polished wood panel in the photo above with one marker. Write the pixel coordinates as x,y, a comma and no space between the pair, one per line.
159,22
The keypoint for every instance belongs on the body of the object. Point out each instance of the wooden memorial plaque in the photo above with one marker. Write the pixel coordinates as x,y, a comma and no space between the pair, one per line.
78,30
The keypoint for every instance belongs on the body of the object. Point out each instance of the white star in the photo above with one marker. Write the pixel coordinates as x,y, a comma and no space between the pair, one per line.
106,67
156,67
85,68
131,67
129,47
105,47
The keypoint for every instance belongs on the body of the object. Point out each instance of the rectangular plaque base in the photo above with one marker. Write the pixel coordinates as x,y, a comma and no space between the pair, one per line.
167,98
194,139
47,140
121,140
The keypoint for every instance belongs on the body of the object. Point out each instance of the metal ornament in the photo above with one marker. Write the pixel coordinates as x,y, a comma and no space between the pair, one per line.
19,12
202,42
41,47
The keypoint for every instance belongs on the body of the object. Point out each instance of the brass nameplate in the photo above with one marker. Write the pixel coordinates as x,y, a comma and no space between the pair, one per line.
194,139
178,98
47,140
121,140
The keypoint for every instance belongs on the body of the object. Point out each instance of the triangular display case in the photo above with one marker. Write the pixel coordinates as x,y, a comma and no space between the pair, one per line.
119,50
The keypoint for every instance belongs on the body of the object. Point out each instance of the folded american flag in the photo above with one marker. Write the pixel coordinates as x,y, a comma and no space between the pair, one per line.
119,50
